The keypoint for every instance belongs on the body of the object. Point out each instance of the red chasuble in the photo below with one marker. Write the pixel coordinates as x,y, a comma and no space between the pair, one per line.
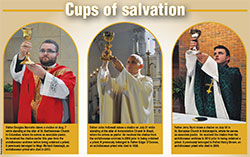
50,110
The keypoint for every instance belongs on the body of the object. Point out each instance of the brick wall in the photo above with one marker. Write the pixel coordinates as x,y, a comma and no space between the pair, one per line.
214,34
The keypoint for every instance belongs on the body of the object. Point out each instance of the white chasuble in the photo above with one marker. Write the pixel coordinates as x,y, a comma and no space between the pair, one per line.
125,99
211,69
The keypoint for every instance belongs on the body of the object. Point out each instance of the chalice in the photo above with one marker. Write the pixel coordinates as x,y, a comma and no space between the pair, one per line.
108,37
195,33
27,35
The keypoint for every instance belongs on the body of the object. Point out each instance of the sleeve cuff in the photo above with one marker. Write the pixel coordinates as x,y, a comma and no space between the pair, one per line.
190,63
122,77
210,67
19,66
54,87
17,74
102,75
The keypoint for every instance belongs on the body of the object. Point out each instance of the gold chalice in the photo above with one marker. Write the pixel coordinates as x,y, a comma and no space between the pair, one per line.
108,37
27,35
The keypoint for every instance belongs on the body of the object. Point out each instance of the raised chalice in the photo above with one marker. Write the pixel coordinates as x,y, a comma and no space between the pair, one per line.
27,35
195,33
108,37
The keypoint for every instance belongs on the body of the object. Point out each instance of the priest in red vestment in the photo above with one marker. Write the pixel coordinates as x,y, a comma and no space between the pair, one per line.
43,93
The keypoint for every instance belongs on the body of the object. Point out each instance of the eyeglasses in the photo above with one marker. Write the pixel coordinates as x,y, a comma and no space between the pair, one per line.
48,51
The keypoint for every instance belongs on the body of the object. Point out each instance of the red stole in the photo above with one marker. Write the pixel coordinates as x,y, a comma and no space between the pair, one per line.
50,109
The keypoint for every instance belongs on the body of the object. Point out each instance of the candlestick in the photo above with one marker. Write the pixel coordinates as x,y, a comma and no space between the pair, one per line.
148,45
137,46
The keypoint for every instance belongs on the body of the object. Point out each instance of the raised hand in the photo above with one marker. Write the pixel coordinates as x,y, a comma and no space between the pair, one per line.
25,47
37,70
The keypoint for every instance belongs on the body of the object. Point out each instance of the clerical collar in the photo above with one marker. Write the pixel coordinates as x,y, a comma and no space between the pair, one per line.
49,67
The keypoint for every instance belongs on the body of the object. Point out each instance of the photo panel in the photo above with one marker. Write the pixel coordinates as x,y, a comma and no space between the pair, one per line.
209,91
124,91
40,91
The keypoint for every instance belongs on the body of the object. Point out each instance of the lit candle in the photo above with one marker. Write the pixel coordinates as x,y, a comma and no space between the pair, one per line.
148,45
137,46
134,45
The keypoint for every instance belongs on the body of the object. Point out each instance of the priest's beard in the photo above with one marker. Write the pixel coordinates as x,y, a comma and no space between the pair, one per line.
48,62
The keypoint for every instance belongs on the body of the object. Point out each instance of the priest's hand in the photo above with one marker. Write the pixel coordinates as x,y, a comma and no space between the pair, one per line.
106,53
117,64
105,62
37,70
202,57
194,43
25,47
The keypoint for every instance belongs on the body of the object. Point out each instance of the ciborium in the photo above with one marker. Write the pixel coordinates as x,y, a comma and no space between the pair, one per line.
195,33
108,37
27,35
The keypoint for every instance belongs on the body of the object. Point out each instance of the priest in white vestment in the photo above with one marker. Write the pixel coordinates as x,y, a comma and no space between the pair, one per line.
213,88
127,98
